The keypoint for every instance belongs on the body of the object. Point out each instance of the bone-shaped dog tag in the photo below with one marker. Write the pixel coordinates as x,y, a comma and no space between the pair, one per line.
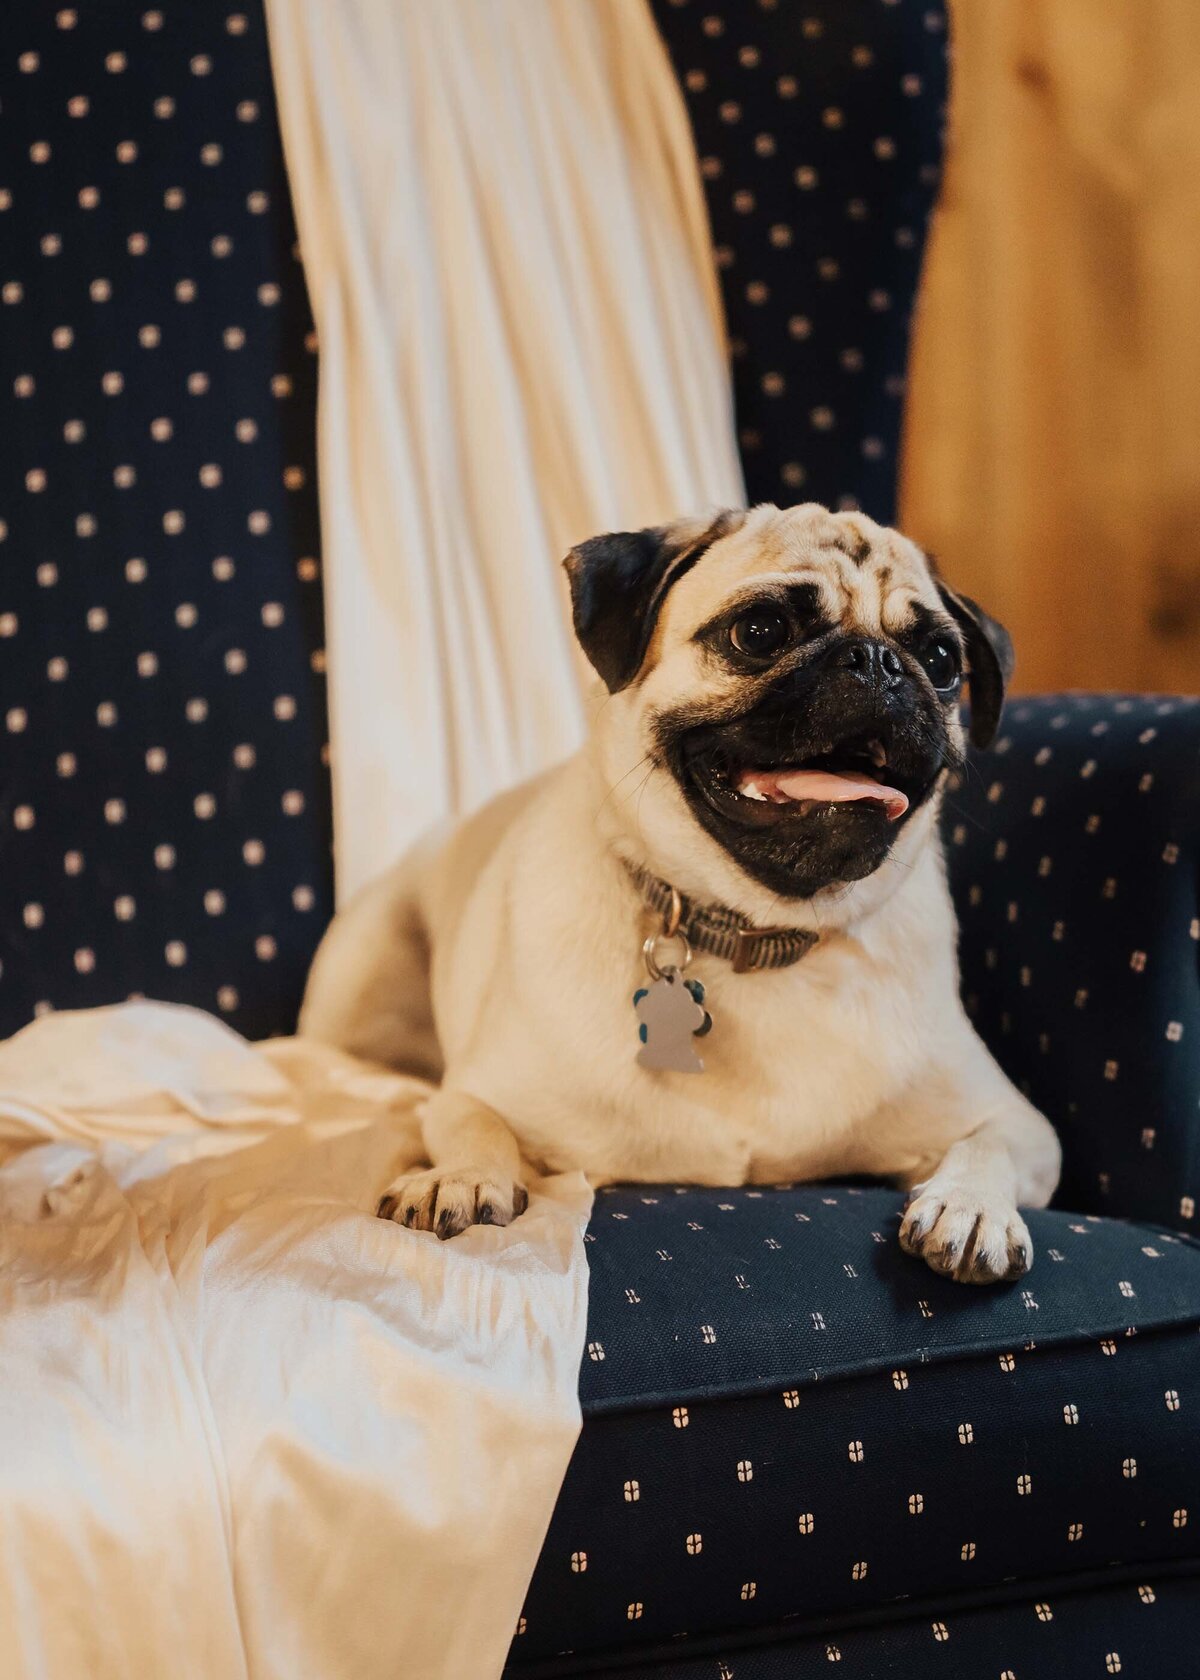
671,1014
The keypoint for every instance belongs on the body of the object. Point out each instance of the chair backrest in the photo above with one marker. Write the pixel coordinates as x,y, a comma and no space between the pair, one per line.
819,129
164,807
164,795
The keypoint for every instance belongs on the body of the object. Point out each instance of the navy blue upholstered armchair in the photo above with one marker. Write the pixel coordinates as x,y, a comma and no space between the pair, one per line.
800,1448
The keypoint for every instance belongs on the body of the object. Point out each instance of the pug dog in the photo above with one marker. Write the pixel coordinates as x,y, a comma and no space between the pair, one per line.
717,944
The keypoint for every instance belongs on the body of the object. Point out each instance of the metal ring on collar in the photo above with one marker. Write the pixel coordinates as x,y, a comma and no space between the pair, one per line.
657,970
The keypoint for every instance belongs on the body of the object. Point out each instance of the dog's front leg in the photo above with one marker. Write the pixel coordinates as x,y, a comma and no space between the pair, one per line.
962,1218
475,1178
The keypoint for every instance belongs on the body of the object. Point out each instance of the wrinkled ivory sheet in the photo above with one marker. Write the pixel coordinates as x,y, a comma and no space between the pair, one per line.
246,1428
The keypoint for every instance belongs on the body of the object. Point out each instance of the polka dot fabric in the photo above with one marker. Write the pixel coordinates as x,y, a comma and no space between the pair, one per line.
790,1424
768,1288
164,808
819,130
1074,852
1144,1630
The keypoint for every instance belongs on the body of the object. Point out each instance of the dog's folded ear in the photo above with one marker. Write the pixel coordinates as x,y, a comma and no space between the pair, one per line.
619,582
989,661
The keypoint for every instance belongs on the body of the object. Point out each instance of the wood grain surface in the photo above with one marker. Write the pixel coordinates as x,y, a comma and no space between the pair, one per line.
1052,455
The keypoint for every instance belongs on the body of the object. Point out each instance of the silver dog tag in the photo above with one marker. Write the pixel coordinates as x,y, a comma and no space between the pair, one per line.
671,1014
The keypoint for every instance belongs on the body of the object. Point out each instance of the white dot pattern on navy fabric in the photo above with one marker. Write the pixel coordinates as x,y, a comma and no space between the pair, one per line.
927,1441
818,129
1074,852
161,682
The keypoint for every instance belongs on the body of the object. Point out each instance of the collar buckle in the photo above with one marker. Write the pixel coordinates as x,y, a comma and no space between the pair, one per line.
746,949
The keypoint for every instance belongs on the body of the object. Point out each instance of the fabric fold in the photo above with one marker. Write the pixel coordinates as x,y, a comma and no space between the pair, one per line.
508,255
247,1428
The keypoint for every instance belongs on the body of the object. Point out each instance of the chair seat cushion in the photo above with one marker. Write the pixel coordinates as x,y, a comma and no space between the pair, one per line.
788,1420
1141,1630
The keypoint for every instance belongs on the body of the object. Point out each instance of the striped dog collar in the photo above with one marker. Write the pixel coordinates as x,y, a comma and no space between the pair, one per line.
721,932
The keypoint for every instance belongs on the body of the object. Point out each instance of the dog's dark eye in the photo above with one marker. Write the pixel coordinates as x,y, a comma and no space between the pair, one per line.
940,660
760,633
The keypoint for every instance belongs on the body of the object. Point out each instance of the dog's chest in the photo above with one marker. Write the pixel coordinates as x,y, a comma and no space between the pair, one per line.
792,1067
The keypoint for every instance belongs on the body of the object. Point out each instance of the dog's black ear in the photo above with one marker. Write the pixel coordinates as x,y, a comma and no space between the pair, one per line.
619,582
989,661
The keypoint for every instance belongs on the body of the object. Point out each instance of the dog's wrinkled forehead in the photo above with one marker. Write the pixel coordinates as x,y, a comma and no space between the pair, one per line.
646,604
867,577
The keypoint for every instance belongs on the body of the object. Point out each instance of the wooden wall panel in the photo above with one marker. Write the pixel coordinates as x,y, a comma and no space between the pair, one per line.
1052,455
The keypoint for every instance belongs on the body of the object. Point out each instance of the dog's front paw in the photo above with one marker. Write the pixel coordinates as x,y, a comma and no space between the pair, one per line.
965,1236
448,1201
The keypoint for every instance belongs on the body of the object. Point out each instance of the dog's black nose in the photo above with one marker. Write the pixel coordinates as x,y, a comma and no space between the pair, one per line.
874,661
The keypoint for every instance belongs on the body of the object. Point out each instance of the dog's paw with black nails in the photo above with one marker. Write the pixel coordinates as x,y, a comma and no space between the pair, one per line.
966,1236
448,1201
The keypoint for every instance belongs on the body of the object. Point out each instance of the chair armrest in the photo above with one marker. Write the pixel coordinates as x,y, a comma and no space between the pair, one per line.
1074,856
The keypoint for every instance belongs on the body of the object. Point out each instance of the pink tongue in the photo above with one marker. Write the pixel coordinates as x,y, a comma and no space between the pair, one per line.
832,787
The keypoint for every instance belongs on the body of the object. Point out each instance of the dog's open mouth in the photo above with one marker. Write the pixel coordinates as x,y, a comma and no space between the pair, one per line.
821,787
852,775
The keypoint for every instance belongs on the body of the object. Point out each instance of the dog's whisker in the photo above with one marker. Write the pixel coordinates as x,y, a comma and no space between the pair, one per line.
612,792
637,799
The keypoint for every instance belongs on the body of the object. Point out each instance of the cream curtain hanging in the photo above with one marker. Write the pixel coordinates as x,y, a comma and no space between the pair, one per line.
505,239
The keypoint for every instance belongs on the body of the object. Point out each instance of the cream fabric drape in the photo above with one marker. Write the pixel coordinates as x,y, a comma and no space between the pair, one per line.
247,1430
505,239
